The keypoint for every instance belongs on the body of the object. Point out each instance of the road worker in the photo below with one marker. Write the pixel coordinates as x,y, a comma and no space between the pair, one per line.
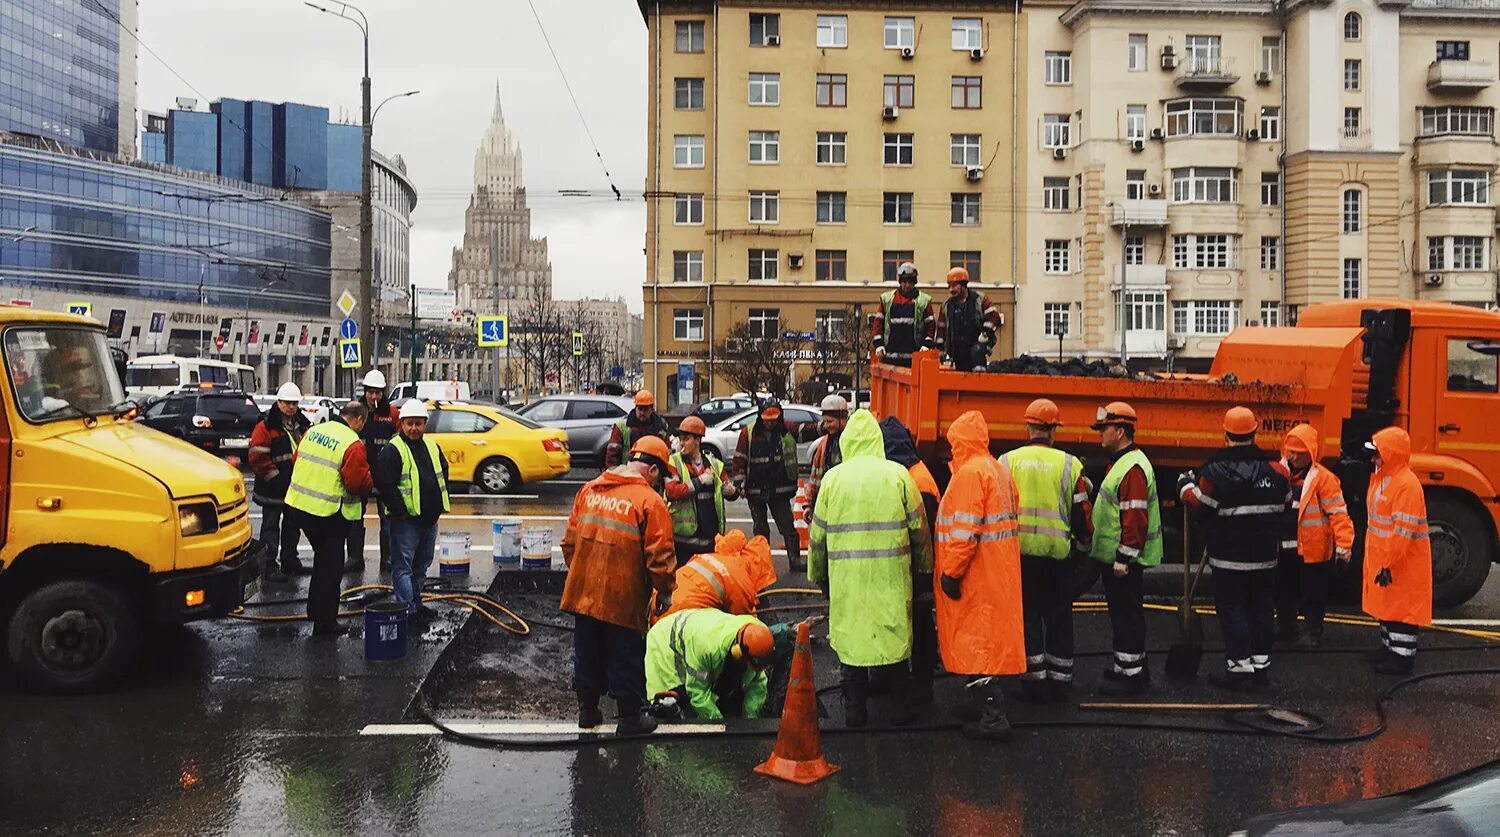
905,321
1127,537
379,429
272,443
901,449
979,572
716,660
1398,556
639,422
411,479
1054,525
826,453
867,532
968,324
697,486
618,548
1319,532
1242,495
728,578
765,471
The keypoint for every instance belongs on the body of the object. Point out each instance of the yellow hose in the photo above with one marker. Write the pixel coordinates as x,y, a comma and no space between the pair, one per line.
476,602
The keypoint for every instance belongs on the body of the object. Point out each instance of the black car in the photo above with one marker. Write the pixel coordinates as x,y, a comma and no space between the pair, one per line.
218,420
716,410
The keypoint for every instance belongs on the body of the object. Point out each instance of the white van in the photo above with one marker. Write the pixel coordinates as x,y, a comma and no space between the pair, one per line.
161,374
431,391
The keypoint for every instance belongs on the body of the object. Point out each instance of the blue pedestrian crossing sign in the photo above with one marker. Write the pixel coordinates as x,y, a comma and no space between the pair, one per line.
348,329
494,332
349,354
82,309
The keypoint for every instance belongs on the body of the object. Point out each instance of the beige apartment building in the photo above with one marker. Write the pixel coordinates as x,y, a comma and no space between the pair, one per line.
1226,162
799,152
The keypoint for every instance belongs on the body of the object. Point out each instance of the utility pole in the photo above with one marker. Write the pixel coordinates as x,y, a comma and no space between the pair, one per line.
1124,281
413,377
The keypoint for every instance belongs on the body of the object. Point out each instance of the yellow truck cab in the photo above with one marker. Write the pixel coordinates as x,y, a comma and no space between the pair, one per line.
107,525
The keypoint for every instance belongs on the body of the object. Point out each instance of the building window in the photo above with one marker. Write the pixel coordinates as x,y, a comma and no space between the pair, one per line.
832,148
968,260
1135,122
765,323
1351,26
898,149
1453,50
687,151
1270,123
1055,194
1270,188
1351,74
963,150
687,265
688,209
1204,117
1135,249
833,90
1270,313
689,36
968,33
1455,187
1216,251
892,259
900,33
765,89
1057,67
1270,55
828,324
1353,211
1293,313
687,324
1458,252
1057,255
1455,119
964,209
1208,317
765,207
1270,252
900,91
1056,131
765,29
831,207
765,147
689,94
832,265
1205,185
763,265
833,31
897,207
1135,184
1351,122
967,91
1202,55
1057,319
1146,311
1135,53
1353,284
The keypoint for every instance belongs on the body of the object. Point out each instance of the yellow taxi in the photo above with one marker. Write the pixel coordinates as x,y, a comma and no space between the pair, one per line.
496,449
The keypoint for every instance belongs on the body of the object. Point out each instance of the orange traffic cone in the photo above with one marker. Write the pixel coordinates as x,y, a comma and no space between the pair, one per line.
798,756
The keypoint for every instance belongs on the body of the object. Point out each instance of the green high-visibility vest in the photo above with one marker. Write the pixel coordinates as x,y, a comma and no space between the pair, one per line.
685,512
918,331
317,486
409,484
1045,478
1107,512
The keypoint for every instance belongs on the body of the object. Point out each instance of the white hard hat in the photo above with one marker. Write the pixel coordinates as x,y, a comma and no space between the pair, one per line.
374,379
288,392
413,408
834,403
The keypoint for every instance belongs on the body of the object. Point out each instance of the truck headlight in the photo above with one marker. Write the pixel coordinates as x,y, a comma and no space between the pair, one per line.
197,519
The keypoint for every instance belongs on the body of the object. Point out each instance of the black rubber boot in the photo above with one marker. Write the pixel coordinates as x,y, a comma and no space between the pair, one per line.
633,719
903,711
1378,655
1396,664
589,715
1118,685
1234,681
992,724
855,686
272,574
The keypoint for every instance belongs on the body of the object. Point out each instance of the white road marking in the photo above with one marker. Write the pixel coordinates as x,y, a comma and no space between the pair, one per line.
1467,623
521,728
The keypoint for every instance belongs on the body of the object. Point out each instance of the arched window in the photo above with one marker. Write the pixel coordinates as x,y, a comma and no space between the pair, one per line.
1351,26
1353,220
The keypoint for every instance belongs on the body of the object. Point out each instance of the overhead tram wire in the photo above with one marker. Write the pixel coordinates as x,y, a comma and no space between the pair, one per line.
581,118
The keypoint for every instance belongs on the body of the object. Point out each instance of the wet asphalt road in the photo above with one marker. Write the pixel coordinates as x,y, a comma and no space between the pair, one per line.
250,728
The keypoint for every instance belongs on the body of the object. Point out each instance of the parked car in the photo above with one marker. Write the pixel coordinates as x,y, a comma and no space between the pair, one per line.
262,402
803,420
215,419
496,449
429,390
318,408
716,410
1466,803
586,418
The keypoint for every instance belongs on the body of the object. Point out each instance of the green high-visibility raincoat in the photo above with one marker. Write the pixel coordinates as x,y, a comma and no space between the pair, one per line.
689,648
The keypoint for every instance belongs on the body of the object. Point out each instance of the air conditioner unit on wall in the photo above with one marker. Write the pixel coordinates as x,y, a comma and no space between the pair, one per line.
1262,77
773,40
1156,133
1059,153
890,112
1168,62
1434,279
976,54
908,52
1176,342
794,261
1154,189
1252,135
974,173
1137,145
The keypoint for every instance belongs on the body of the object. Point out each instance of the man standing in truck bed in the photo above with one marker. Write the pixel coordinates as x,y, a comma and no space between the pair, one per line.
968,324
905,322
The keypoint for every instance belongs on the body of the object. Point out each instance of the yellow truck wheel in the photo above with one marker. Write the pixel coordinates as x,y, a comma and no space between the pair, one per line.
71,637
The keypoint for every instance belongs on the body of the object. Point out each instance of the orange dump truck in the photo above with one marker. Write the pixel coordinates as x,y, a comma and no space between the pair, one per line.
1349,368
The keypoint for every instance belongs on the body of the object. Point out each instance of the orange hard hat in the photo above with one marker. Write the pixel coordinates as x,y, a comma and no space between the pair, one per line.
644,398
653,447
958,274
771,410
1115,412
693,426
1239,421
1293,442
1043,412
757,644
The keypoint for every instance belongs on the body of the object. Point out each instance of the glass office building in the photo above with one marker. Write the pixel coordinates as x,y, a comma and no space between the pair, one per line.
192,139
299,146
60,71
345,147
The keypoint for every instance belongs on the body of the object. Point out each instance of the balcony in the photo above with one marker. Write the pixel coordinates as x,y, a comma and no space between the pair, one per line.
1459,76
1206,73
1143,277
1139,212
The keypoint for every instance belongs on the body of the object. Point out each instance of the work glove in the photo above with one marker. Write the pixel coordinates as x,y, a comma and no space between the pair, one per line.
952,587
1121,569
706,478
1185,482
880,353
1383,578
984,339
1342,555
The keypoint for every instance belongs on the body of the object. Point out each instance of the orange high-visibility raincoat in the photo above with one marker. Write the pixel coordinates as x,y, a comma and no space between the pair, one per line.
1323,521
618,547
1396,536
728,579
980,633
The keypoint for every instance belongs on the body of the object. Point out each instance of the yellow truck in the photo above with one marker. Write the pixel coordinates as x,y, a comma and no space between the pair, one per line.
108,526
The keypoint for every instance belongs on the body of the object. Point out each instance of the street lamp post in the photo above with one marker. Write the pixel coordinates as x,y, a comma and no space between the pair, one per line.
366,207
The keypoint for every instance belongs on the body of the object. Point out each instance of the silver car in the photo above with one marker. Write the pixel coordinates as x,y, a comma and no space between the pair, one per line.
801,419
587,418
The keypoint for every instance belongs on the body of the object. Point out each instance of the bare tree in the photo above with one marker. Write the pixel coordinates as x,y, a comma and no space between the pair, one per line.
539,330
754,363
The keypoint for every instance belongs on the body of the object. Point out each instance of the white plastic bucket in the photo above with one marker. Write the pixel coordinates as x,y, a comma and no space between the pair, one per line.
453,553
507,535
536,547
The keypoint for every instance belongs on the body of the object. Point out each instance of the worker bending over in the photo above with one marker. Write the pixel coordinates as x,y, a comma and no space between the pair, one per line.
1318,531
1398,556
968,324
826,453
696,489
901,449
728,578
715,659
765,471
905,322
638,423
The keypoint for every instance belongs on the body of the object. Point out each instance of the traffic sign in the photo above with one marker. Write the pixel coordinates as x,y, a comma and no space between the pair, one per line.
494,332
349,354
348,329
577,344
347,302
218,342
82,309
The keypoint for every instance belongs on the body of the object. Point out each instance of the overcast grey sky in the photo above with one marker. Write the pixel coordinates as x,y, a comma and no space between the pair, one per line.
453,51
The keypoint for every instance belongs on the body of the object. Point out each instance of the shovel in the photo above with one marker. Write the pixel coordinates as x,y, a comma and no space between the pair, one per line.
1185,656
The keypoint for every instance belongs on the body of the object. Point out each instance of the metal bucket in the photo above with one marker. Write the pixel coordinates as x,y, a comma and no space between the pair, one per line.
453,553
507,536
385,631
536,547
